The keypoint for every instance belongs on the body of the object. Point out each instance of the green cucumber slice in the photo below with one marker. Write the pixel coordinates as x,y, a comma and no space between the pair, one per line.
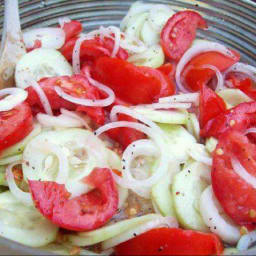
179,141
187,188
3,181
107,232
163,116
24,224
19,147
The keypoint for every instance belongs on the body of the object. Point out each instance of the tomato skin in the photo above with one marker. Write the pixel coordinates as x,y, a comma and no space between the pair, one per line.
168,69
194,74
15,125
92,49
135,85
238,118
86,212
236,196
171,241
76,86
179,32
210,105
72,29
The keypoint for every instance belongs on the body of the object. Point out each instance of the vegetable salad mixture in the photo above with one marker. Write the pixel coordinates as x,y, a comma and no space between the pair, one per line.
138,140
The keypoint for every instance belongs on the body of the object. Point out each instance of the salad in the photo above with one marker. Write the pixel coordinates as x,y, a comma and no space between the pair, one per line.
130,140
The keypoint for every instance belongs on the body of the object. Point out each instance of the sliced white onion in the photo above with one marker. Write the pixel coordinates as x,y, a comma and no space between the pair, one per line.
111,95
10,159
63,20
243,68
116,31
209,209
132,44
63,167
198,153
241,171
14,98
75,116
169,222
58,121
41,94
246,241
250,130
24,197
53,38
166,105
199,48
76,54
184,97
220,83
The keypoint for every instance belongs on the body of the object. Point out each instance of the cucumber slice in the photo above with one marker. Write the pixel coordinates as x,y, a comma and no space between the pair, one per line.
19,147
152,57
24,224
211,144
233,97
193,125
161,192
164,116
179,141
135,24
107,232
41,63
230,251
187,188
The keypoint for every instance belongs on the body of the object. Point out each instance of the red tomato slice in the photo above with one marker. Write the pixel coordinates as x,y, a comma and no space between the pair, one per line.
194,74
72,29
168,69
171,241
179,32
92,49
210,105
15,125
238,118
236,196
135,85
76,86
86,212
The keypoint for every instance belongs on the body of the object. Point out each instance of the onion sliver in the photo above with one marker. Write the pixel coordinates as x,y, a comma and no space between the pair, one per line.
48,147
185,97
157,138
219,225
198,153
199,48
75,116
220,83
14,98
243,68
63,20
241,172
250,130
169,222
58,121
53,38
246,241
24,197
42,96
76,54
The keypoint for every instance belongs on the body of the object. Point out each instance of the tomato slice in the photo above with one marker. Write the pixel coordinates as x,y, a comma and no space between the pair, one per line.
92,49
168,69
76,86
195,74
72,29
237,197
15,125
238,118
179,32
135,85
171,241
210,105
86,212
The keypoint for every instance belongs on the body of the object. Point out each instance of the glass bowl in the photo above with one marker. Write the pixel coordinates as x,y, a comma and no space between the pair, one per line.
231,22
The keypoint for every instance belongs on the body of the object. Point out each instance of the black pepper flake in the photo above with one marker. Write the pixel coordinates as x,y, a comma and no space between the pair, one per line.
160,248
196,5
123,167
215,227
94,133
134,234
189,171
33,168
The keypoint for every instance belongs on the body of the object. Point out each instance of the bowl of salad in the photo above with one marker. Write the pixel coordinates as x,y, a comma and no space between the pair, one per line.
128,128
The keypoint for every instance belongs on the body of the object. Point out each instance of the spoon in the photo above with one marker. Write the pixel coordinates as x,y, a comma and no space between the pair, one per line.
12,47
